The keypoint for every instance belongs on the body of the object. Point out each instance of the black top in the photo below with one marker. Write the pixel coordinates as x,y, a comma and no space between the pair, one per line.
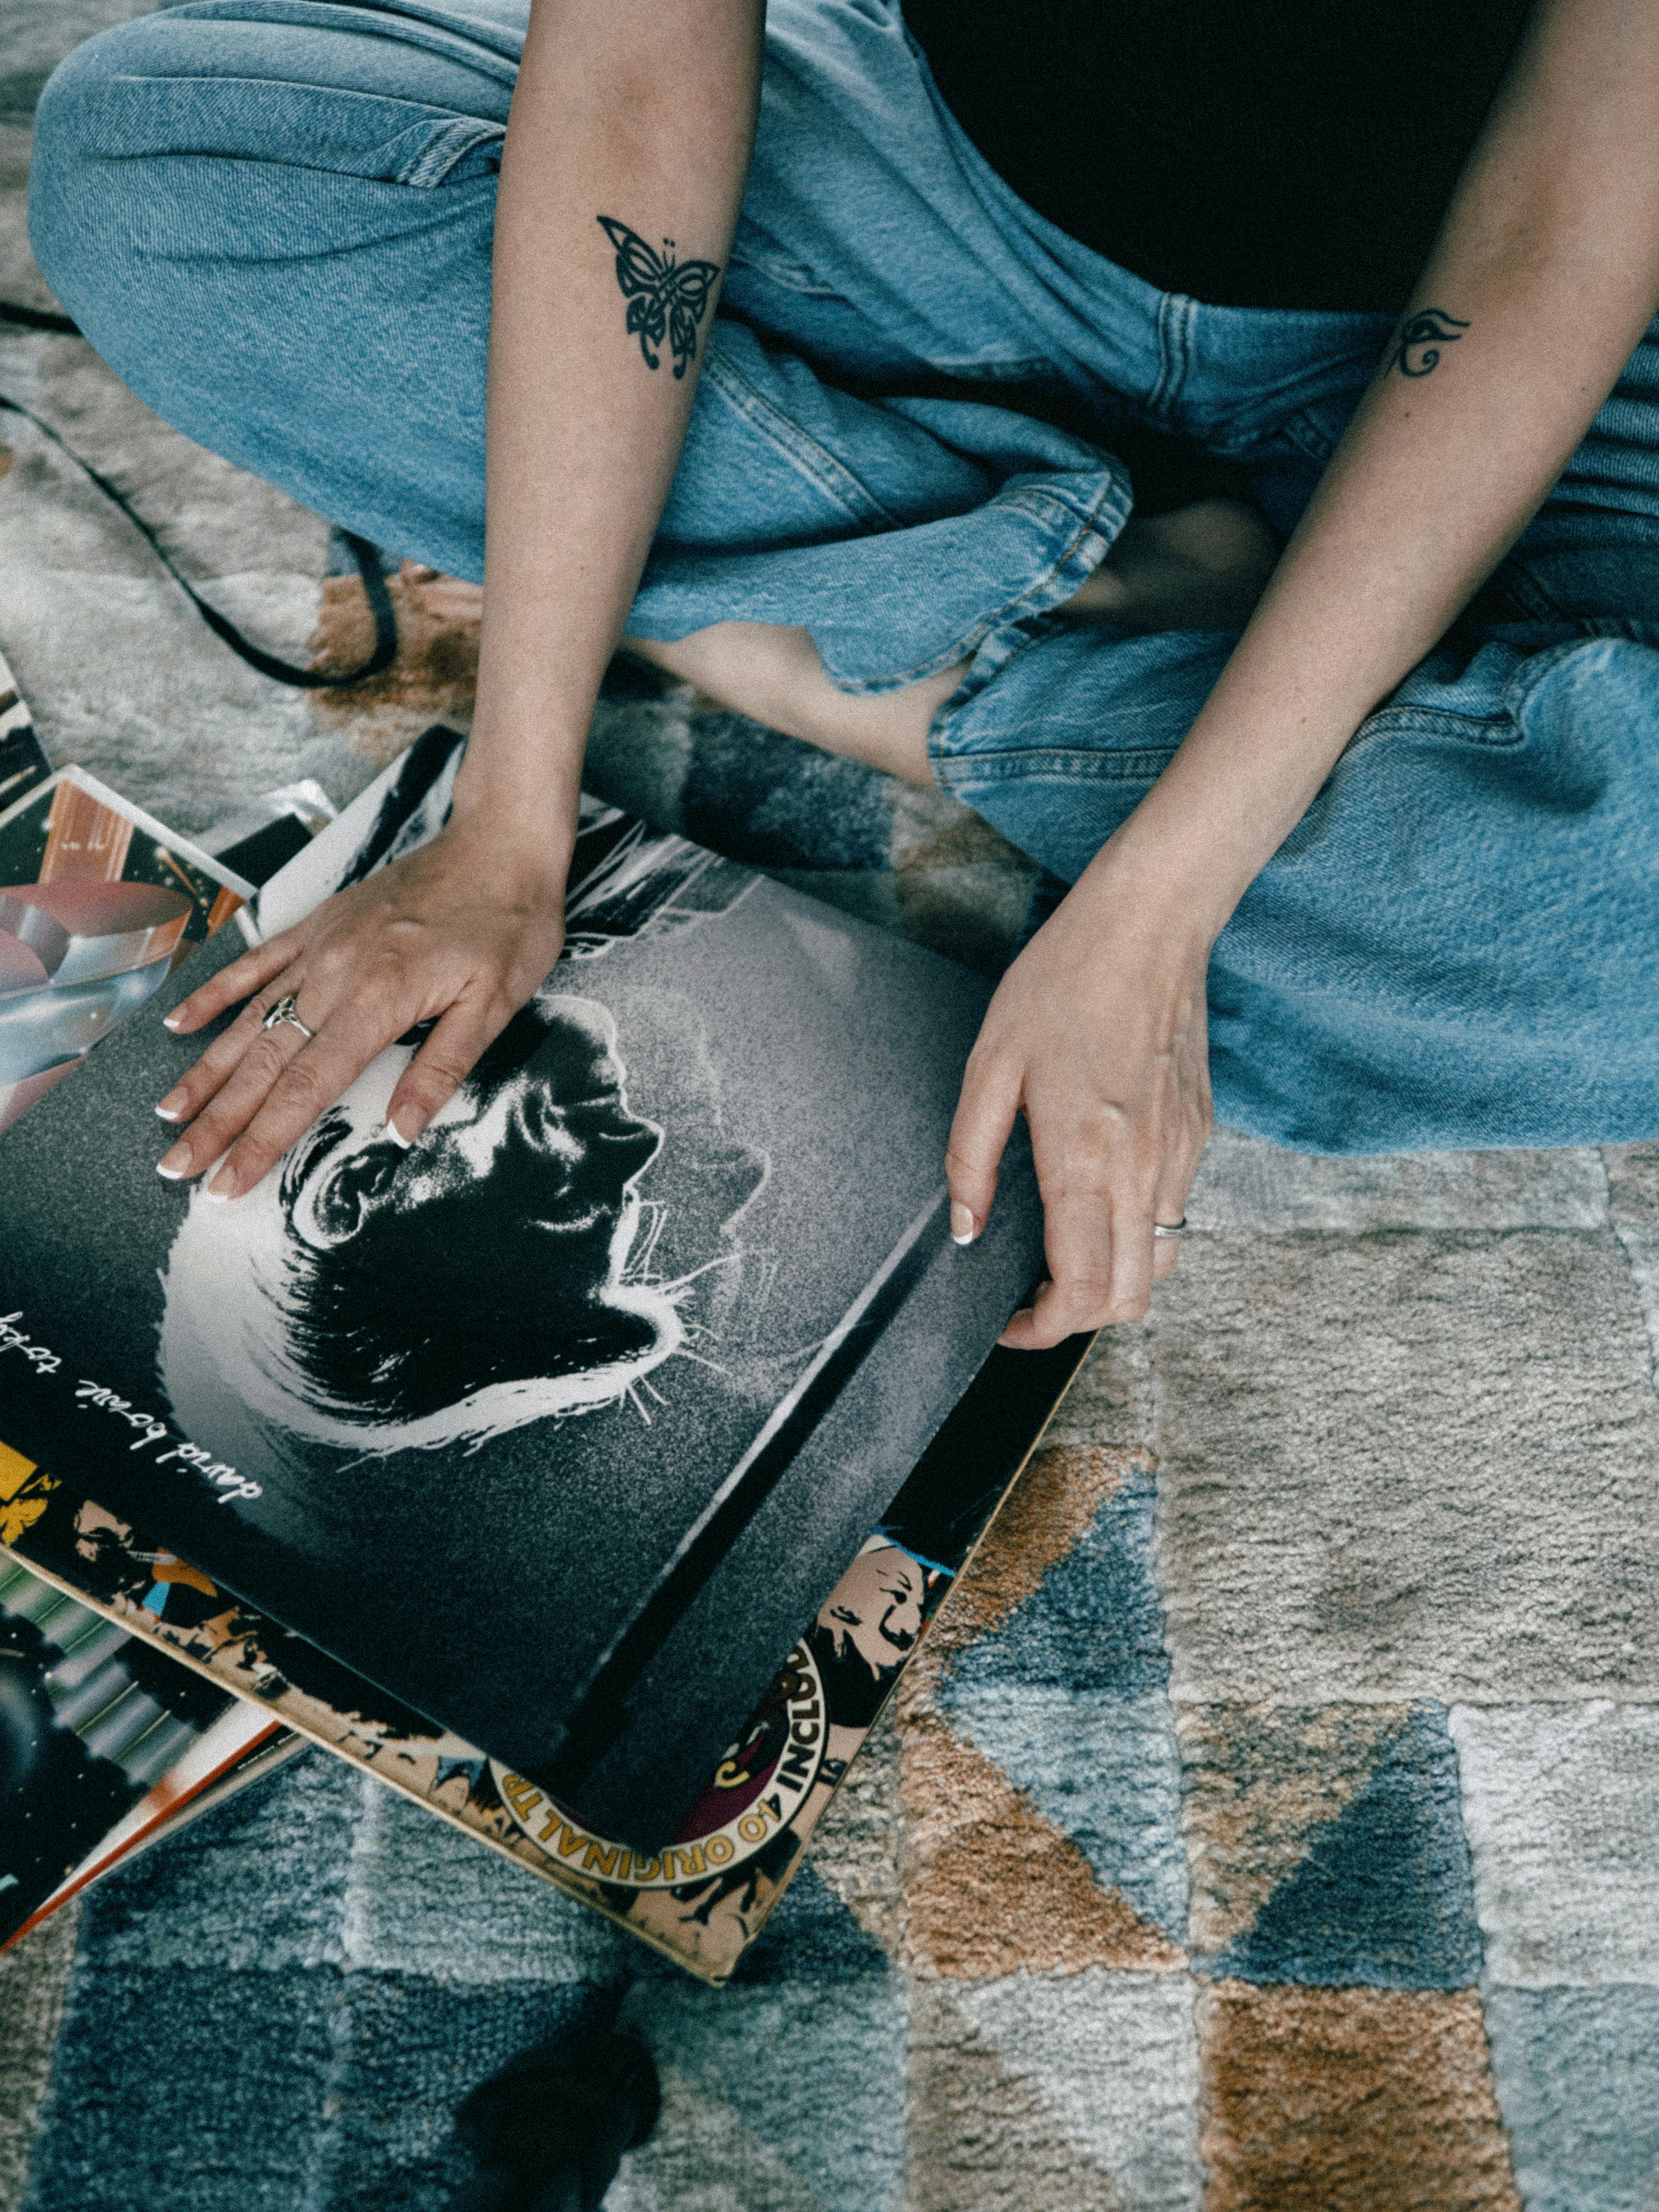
1248,153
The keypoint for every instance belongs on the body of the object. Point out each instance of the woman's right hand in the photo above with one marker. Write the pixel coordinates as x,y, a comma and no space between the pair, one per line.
1098,1033
459,933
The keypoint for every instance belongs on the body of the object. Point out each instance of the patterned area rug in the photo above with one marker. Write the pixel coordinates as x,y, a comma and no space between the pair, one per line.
1273,1824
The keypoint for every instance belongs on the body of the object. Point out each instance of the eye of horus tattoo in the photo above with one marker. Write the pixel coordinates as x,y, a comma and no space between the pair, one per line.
1417,351
665,298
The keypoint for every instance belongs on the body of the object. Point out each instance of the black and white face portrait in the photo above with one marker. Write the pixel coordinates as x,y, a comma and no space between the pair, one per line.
368,1297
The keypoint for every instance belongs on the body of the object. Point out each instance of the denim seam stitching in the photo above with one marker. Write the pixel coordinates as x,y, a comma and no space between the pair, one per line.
789,276
413,31
806,454
996,368
1175,314
442,148
1491,732
1001,639
1072,765
1042,505
969,645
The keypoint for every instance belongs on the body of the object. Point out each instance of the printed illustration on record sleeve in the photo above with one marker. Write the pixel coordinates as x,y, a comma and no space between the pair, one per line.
97,906
307,1309
151,1590
22,762
593,1346
704,1895
704,1899
92,1725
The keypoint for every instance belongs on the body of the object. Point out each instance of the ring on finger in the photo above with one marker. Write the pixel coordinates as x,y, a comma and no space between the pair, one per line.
282,1012
1169,1228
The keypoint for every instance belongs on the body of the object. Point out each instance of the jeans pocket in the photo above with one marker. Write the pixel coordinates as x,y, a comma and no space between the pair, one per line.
753,250
449,152
757,254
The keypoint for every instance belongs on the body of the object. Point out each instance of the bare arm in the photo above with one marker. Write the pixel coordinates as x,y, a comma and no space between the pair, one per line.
1543,279
644,115
631,127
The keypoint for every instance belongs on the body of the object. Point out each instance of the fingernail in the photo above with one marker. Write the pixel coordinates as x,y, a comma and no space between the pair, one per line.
175,1163
171,1107
962,1223
171,1021
222,1186
397,1134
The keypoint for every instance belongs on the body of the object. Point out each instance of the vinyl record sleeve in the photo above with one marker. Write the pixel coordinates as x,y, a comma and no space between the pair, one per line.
558,1427
102,1739
99,904
242,1749
704,1896
22,762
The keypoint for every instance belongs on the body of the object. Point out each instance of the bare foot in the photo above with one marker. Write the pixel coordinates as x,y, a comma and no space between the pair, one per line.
1202,567
774,675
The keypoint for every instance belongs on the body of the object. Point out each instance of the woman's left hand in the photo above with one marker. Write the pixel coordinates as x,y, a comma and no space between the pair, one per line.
1098,1034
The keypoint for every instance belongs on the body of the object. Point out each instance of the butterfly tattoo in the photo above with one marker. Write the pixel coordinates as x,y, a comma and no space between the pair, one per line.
665,298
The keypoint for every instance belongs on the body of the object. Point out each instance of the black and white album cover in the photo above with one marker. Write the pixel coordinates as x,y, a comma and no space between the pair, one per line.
561,1426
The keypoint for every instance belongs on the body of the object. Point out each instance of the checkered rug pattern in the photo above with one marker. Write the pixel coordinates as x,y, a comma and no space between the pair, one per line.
1272,1821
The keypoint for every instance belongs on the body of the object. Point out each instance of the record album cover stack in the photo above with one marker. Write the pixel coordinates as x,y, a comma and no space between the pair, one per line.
589,1470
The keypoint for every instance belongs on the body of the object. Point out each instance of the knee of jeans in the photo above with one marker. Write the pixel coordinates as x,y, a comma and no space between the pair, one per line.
74,189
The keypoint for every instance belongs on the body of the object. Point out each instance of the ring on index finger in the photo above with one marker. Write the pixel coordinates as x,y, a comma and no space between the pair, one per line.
284,1012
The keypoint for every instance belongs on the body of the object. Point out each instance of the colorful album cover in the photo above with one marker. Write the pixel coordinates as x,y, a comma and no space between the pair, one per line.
557,1426
702,1896
23,762
242,1749
98,905
102,1740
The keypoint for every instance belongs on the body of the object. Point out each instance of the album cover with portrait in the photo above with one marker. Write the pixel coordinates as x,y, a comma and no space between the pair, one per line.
558,1427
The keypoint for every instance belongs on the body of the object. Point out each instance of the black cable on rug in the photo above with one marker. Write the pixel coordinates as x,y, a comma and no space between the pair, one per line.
38,319
281,671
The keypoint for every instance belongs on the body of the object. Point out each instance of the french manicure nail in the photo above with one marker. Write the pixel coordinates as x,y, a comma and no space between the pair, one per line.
175,1163
171,1021
962,1223
397,1134
221,1188
170,1109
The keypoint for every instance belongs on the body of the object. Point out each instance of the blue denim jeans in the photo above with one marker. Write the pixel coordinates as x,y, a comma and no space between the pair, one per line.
273,218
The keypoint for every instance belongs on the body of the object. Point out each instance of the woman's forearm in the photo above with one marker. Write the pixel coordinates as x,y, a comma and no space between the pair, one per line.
628,118
1545,275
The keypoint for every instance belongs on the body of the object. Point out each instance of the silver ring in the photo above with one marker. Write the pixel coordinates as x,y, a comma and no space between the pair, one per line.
283,1012
1169,1228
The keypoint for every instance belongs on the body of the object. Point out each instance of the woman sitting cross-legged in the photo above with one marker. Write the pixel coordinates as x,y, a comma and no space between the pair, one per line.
809,350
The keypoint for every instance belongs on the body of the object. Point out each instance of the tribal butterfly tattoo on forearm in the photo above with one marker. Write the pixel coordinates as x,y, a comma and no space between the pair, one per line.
665,298
1417,350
